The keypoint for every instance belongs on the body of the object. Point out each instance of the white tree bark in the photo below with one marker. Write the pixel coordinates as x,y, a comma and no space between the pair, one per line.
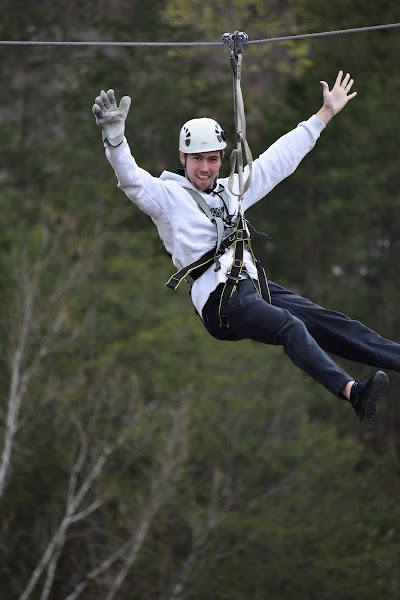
73,513
172,459
25,360
18,386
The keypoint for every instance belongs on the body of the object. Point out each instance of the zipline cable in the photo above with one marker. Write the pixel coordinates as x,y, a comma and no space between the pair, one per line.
325,33
191,44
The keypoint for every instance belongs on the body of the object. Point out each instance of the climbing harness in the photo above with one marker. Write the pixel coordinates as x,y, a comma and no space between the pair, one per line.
240,239
240,236
193,271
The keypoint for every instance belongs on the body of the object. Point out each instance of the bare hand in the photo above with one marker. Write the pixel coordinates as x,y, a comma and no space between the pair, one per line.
336,98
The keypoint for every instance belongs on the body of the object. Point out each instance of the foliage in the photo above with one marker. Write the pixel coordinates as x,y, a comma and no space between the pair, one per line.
140,458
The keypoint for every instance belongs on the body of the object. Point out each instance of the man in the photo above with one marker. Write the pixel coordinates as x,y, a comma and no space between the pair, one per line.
191,206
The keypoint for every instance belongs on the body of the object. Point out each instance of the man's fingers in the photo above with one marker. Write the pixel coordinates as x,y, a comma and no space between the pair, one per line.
96,110
105,99
325,86
339,78
111,98
105,108
125,104
345,80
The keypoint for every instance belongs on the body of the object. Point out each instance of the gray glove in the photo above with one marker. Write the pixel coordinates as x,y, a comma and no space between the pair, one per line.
110,117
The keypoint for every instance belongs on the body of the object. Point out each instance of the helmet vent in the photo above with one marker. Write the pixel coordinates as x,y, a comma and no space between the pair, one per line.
220,133
187,136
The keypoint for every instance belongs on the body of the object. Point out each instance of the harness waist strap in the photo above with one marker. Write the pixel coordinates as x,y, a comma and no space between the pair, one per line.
198,267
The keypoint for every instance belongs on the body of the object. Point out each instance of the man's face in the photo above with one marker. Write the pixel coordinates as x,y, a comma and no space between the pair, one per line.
202,168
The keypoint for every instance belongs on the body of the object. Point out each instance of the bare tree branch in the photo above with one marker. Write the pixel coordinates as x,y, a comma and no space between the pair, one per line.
16,392
20,378
202,538
162,484
106,564
74,499
160,490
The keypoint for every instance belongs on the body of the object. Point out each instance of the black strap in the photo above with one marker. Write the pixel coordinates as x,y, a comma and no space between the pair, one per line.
263,282
231,283
234,276
198,267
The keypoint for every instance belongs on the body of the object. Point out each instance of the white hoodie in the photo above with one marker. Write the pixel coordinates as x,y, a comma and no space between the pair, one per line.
187,233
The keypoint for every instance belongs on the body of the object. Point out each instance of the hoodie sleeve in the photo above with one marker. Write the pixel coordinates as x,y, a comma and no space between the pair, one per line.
281,159
147,192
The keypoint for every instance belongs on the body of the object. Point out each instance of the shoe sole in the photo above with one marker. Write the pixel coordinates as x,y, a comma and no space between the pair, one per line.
378,386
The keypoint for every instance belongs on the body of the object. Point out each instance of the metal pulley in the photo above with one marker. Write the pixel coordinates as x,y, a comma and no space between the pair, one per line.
235,41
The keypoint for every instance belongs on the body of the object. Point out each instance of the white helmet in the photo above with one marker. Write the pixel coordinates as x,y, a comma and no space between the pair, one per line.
201,135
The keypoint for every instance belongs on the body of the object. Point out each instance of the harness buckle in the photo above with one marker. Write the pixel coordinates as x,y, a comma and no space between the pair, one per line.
224,321
233,280
238,235
173,282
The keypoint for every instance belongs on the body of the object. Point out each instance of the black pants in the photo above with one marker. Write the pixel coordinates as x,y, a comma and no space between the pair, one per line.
306,330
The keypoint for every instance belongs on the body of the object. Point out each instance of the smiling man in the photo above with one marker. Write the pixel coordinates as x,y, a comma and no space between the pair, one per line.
204,230
201,169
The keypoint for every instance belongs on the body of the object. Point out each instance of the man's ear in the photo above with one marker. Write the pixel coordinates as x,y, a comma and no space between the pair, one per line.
182,156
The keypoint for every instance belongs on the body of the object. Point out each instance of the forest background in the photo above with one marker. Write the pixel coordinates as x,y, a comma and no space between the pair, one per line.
140,458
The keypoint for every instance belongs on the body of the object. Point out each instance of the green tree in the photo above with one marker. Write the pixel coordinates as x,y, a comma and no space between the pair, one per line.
140,457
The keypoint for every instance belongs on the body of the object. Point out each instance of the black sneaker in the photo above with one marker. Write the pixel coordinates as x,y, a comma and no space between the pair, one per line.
365,395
